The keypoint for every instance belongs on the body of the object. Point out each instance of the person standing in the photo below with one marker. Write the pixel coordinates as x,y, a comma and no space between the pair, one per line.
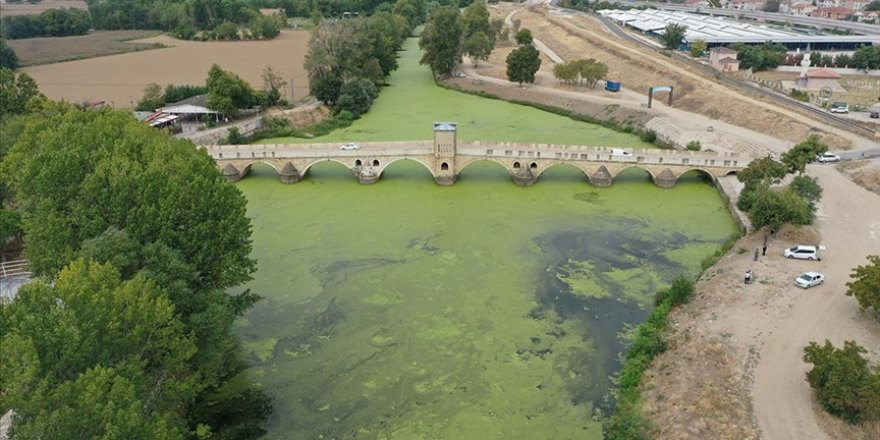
764,249
748,276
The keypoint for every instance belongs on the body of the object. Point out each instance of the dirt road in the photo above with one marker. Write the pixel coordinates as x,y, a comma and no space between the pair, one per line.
849,221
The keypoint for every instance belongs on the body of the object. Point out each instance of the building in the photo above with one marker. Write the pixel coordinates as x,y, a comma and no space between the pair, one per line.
835,13
723,59
815,79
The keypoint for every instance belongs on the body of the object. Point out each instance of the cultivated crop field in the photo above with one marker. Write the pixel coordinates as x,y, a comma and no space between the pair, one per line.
34,51
119,80
25,8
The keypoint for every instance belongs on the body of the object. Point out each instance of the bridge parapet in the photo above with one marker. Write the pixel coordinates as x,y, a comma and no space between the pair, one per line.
524,161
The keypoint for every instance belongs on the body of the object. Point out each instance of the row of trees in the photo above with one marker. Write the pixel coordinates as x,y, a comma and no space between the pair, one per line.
450,34
795,203
587,71
50,23
155,96
764,57
865,57
347,60
136,239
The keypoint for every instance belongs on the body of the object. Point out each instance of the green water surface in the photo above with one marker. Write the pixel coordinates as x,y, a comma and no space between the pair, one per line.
406,310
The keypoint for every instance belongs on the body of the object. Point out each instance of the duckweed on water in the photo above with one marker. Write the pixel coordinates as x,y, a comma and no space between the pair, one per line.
405,310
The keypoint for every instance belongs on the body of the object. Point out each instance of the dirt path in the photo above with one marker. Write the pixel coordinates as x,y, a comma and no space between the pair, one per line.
849,220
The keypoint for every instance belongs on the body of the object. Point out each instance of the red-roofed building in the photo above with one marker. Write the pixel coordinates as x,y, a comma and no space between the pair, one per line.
815,79
838,13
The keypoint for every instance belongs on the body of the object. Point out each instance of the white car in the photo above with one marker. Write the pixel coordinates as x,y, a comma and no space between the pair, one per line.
809,279
350,146
839,107
802,252
828,157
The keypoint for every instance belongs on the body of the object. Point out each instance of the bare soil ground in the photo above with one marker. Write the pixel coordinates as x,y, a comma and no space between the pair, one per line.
120,80
866,173
734,369
35,51
575,36
25,8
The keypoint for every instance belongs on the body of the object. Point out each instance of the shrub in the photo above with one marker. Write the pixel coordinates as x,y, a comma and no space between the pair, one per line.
800,95
844,384
693,146
648,136
235,137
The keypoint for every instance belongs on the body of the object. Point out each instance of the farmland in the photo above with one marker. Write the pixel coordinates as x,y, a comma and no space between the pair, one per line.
120,80
35,51
7,9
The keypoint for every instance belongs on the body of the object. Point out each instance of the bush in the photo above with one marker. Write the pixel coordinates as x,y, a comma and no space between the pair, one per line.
693,146
235,137
8,59
773,208
649,136
844,384
800,95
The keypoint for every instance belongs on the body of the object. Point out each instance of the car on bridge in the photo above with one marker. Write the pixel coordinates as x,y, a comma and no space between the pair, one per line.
350,146
828,157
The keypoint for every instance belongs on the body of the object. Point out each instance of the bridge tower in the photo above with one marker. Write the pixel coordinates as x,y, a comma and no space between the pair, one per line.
444,153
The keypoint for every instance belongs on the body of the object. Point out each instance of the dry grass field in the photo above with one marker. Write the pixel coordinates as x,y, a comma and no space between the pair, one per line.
35,51
26,8
119,80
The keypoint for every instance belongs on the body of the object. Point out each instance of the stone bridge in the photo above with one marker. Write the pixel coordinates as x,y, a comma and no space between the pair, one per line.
445,158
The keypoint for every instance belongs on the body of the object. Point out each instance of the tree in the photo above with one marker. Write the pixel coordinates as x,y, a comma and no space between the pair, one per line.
566,72
672,35
272,84
803,153
189,222
522,64
591,71
356,96
227,92
523,37
865,285
114,362
441,40
698,47
772,208
475,19
844,384
873,6
807,188
267,26
15,92
762,171
226,31
866,57
8,59
478,46
771,6
154,97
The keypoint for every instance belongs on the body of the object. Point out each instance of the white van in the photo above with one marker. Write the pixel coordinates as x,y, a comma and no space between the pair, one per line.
802,252
620,152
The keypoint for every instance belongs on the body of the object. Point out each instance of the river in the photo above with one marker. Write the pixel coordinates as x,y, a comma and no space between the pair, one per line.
407,310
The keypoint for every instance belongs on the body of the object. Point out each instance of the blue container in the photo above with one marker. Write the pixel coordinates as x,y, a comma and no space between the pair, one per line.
612,86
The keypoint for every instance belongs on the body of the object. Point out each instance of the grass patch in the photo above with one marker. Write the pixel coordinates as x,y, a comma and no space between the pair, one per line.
407,108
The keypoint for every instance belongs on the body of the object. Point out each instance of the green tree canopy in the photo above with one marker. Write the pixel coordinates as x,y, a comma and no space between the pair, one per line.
672,35
698,47
844,384
865,285
8,59
115,360
797,157
873,6
15,92
591,71
764,170
228,93
523,37
522,64
441,40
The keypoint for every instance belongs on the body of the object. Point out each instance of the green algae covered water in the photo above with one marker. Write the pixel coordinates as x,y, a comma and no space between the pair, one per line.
406,310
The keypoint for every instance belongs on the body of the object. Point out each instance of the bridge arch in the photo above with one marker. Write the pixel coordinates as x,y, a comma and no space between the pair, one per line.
317,161
395,160
575,165
647,170
483,159
701,171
